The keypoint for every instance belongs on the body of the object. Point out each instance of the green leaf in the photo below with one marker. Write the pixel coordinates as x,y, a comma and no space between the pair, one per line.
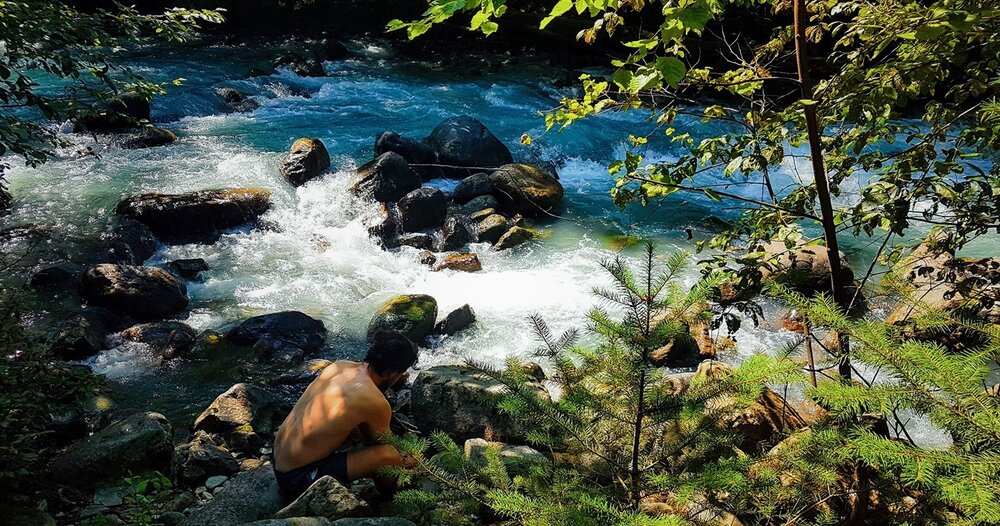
672,70
561,7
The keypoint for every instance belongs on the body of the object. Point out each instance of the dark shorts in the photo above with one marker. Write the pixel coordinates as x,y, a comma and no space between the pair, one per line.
295,482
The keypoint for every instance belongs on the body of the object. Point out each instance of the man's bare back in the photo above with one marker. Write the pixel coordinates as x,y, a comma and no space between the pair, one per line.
341,400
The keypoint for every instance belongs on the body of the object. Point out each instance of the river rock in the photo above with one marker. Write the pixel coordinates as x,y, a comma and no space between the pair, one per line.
244,417
418,240
422,208
477,217
386,178
289,329
492,228
473,186
383,225
466,262
455,234
249,496
79,337
461,401
515,236
306,160
805,269
410,314
203,457
326,498
59,275
483,202
188,268
301,64
128,242
168,338
525,189
415,152
236,100
456,320
196,215
427,258
128,111
149,137
144,293
138,443
464,141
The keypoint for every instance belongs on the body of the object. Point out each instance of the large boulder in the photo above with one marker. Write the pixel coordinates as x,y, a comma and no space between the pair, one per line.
247,497
79,337
198,215
127,111
465,142
128,242
410,314
387,178
415,152
804,268
144,293
422,208
472,187
245,417
169,339
306,160
204,456
138,443
525,189
289,329
462,402
326,498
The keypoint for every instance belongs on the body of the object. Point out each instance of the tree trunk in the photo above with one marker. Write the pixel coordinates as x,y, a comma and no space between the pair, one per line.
819,174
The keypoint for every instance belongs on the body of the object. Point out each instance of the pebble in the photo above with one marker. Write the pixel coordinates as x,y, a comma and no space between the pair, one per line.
215,482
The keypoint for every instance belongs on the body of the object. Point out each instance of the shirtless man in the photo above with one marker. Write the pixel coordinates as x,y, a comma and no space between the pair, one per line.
345,400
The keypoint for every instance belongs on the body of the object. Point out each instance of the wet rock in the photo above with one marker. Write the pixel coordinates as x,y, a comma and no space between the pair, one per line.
415,152
461,401
289,329
188,268
513,237
128,111
455,234
149,137
410,314
128,242
247,497
517,459
236,100
168,338
306,160
482,202
482,214
422,208
428,258
416,240
473,186
58,275
214,482
456,320
492,228
244,417
79,337
203,457
198,215
138,443
467,262
303,66
326,498
144,293
386,178
805,269
525,189
466,142
383,225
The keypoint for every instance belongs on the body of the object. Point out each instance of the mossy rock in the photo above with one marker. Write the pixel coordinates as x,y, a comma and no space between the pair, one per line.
411,314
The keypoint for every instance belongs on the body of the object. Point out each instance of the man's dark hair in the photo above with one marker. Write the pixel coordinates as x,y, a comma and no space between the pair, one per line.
390,352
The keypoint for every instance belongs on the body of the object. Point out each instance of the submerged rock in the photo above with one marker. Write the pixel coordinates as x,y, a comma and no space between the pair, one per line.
467,262
245,417
56,275
465,142
144,293
149,137
188,268
128,111
128,242
306,160
461,401
413,315
284,329
456,320
326,498
525,189
198,215
513,237
138,443
415,152
387,178
168,338
422,208
236,100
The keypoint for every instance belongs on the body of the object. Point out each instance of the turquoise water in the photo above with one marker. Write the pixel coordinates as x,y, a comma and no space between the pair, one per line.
283,267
